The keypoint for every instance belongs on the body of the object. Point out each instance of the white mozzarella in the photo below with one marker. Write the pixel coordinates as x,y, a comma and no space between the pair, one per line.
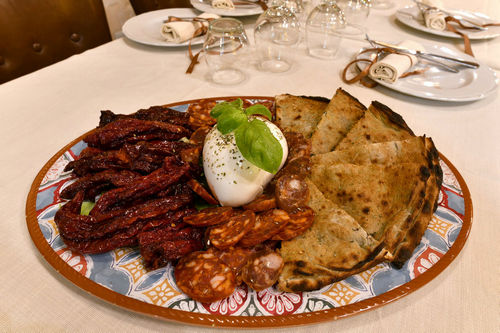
232,179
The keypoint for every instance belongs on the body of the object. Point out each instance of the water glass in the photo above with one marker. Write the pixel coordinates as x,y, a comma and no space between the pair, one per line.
277,34
323,30
226,51
356,13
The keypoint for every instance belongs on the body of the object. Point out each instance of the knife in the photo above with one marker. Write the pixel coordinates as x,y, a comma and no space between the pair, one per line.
427,56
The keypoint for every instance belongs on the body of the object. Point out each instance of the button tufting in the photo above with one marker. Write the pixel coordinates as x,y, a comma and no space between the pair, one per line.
75,37
2,60
37,47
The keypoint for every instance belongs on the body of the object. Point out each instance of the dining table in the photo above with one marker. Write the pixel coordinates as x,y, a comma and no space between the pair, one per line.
45,110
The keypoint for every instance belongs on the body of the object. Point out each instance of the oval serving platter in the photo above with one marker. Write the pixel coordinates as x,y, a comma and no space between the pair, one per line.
120,277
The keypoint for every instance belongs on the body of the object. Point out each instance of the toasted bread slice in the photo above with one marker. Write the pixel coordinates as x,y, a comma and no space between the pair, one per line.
378,124
340,115
299,113
333,248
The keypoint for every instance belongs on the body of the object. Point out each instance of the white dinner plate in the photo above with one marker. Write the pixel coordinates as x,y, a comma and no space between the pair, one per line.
244,10
410,15
441,85
145,28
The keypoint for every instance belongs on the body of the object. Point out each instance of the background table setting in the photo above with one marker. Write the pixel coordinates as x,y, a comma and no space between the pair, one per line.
47,110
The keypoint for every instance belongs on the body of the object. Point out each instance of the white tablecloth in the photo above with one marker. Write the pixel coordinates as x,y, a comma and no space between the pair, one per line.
43,111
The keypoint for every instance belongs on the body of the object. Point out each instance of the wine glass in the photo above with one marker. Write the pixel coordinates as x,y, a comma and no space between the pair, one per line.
323,27
276,33
356,12
226,49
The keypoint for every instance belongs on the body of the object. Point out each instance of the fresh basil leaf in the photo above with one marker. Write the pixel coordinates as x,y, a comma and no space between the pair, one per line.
230,121
86,207
223,107
259,109
259,146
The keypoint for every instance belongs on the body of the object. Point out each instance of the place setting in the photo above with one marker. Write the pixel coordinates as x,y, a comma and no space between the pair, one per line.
434,17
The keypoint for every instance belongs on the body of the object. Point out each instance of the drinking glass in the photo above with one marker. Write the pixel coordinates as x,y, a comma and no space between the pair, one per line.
382,4
356,13
226,51
323,30
277,34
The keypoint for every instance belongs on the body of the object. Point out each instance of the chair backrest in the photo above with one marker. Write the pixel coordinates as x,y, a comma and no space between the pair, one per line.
37,33
142,6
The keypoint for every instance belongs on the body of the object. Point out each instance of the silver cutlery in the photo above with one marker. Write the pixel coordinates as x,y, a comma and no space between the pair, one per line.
469,23
427,56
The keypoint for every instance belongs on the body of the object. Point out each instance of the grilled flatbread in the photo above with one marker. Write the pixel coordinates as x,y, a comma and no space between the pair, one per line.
340,115
378,124
412,239
392,152
299,114
384,199
333,248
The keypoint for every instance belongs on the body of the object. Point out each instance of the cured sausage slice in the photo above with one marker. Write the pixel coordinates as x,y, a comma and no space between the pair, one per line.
230,233
266,225
236,258
262,270
262,203
210,216
202,192
204,277
292,192
298,145
198,136
299,222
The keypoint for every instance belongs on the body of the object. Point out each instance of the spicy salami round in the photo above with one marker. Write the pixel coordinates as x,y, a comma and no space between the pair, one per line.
262,203
300,221
209,216
292,192
266,225
204,277
262,270
225,235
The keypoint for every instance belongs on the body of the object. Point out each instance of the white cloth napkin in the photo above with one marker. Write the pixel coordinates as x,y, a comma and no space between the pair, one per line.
223,4
434,19
181,31
390,68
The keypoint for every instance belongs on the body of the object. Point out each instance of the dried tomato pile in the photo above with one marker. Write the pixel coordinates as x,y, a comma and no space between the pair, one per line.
146,179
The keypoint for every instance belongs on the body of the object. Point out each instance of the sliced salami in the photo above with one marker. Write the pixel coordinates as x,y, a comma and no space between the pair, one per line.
204,277
300,221
262,270
228,234
266,225
202,192
262,203
210,216
291,192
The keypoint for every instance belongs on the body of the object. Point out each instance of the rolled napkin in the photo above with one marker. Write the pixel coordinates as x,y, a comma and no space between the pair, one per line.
179,31
223,4
434,19
392,66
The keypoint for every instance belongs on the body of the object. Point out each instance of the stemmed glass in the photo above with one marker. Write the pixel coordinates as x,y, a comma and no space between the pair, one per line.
226,49
356,13
276,33
323,30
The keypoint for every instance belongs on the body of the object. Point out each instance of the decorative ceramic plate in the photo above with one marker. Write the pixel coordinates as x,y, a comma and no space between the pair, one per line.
119,276
410,15
145,28
441,85
240,10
